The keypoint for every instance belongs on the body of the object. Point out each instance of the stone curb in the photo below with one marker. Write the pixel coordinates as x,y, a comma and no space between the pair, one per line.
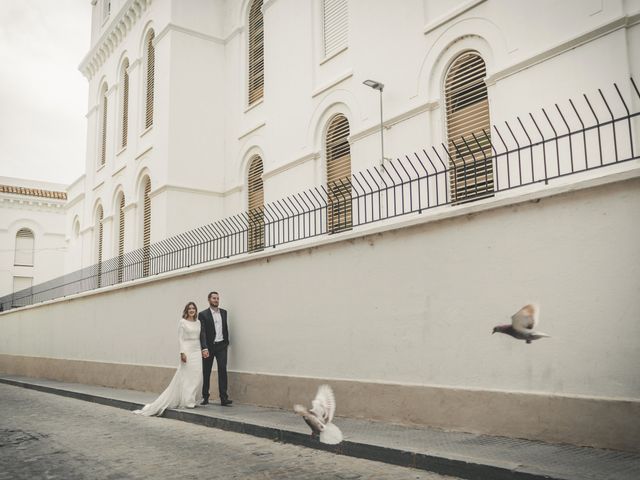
470,470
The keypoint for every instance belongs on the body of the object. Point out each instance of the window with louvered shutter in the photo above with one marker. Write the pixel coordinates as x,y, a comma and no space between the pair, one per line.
146,228
335,25
255,205
338,154
103,127
24,248
99,240
256,53
125,104
468,129
151,60
120,237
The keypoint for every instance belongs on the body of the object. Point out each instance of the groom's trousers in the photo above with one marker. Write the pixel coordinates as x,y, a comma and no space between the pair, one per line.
220,354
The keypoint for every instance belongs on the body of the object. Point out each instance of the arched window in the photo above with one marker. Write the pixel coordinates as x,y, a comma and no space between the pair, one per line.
468,129
255,191
24,248
335,25
338,154
103,125
99,229
256,52
146,227
120,237
124,103
151,61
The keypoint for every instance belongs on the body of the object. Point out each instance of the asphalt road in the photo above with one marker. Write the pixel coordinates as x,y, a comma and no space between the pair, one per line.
45,436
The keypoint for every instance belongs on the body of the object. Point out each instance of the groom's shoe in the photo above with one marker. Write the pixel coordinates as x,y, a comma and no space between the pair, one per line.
204,401
226,403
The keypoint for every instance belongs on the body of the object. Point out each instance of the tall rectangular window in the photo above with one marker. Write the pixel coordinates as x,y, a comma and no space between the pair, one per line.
256,52
255,191
103,126
125,104
468,129
146,228
24,248
338,154
335,23
151,66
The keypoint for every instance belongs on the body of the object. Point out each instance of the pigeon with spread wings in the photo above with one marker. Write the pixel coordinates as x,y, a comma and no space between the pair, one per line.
319,417
523,324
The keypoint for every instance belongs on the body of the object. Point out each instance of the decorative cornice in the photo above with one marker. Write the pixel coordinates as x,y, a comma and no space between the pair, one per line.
143,153
334,54
187,31
625,21
33,192
291,164
184,189
92,110
134,64
98,185
237,188
233,33
447,17
31,204
129,14
120,168
332,83
130,206
251,130
266,4
74,201
425,107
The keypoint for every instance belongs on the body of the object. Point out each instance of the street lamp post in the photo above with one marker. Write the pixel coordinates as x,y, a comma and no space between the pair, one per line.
378,86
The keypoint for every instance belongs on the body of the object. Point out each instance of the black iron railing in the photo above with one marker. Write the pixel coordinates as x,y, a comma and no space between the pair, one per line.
585,135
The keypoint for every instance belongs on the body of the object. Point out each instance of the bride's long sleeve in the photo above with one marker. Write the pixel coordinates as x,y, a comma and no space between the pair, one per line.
181,337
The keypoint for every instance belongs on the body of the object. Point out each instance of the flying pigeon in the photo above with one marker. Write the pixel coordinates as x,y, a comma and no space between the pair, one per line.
319,416
522,325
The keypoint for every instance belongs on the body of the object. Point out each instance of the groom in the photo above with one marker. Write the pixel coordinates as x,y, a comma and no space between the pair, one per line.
214,324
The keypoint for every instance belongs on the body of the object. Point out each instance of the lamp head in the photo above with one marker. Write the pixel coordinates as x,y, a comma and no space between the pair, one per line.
373,84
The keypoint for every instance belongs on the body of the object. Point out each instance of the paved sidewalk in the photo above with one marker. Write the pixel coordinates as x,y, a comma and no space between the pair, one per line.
449,453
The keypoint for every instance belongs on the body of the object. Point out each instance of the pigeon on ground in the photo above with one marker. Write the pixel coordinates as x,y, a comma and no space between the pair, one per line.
320,415
523,323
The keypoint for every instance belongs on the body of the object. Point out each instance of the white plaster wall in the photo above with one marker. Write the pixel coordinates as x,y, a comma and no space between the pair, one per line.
414,305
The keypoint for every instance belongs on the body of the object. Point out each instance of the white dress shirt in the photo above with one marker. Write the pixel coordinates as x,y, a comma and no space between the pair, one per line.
217,323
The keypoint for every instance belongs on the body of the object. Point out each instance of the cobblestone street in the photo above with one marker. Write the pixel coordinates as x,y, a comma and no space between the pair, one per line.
51,437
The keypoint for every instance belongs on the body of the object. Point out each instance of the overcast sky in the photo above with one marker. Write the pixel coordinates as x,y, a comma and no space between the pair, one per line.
43,95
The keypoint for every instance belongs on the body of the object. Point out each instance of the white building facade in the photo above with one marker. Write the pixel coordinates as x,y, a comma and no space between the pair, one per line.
33,243
185,98
202,110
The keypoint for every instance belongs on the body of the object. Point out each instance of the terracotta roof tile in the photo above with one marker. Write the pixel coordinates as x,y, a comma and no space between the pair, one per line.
33,192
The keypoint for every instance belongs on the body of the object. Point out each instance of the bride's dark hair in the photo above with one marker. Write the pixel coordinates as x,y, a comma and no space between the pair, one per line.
185,315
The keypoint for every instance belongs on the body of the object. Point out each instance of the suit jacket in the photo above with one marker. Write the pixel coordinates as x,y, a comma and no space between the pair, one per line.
206,320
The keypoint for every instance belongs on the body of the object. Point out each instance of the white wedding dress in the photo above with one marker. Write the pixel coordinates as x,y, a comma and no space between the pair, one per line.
185,389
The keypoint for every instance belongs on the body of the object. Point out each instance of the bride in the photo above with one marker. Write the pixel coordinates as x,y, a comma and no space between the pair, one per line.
185,388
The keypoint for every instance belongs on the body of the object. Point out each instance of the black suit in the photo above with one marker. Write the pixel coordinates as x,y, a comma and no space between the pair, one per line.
216,350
